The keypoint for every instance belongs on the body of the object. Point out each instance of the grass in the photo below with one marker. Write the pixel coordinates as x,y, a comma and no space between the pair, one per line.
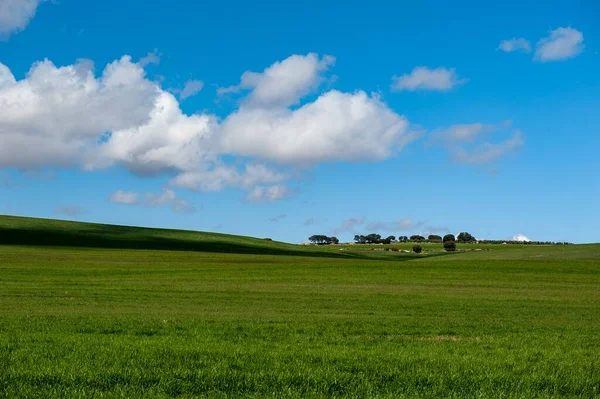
288,321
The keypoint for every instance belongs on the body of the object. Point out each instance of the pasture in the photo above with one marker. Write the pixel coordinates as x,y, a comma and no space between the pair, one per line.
210,315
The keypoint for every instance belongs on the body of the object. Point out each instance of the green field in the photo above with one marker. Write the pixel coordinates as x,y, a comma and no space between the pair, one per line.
211,315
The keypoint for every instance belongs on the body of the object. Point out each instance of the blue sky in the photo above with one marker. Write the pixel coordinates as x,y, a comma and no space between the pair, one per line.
283,120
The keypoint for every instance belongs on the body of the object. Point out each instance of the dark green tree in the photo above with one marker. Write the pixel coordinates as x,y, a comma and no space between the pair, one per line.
450,246
417,238
449,237
434,237
417,249
465,237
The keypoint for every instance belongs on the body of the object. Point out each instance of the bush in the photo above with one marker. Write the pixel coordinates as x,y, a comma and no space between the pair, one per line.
417,249
450,246
449,237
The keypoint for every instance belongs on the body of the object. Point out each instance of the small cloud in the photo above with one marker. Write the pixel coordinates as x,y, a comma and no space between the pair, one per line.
488,152
424,78
348,225
561,44
168,197
268,193
191,88
277,218
515,44
520,237
152,57
165,197
468,143
124,197
70,210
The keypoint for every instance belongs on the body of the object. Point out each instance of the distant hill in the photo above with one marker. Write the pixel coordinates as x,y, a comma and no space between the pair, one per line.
49,232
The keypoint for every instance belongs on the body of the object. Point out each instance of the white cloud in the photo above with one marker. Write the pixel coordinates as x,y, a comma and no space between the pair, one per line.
515,44
336,126
67,116
424,78
15,15
55,114
268,193
561,44
468,143
285,82
348,225
152,57
165,197
191,88
124,197
520,237
487,152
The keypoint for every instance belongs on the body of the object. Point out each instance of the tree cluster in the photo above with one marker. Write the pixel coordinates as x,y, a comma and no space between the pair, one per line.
320,239
373,239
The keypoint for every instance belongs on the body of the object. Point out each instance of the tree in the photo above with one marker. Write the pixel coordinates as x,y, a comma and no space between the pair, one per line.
465,237
449,237
450,246
402,239
434,237
360,239
388,240
320,239
417,249
417,238
373,238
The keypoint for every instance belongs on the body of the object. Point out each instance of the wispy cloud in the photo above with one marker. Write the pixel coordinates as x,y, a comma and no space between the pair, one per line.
268,193
152,57
515,44
348,225
165,197
424,78
277,218
70,210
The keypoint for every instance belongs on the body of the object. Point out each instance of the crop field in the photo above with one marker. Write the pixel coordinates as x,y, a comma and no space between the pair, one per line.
105,311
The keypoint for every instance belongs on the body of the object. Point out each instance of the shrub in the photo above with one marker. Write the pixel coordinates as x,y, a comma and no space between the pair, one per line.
417,249
449,237
450,246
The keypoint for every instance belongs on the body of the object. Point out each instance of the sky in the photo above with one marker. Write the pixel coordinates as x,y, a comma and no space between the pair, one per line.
283,120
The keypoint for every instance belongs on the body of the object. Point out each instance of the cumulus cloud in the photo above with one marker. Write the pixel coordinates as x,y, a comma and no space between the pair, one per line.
471,144
515,44
520,237
55,114
268,193
68,116
336,126
283,83
165,197
191,88
70,210
424,78
15,15
124,197
561,44
348,225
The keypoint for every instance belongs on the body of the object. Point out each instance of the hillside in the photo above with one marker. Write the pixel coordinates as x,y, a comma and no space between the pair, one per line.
16,230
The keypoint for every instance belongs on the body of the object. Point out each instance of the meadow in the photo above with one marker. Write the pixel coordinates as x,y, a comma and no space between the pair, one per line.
94,311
